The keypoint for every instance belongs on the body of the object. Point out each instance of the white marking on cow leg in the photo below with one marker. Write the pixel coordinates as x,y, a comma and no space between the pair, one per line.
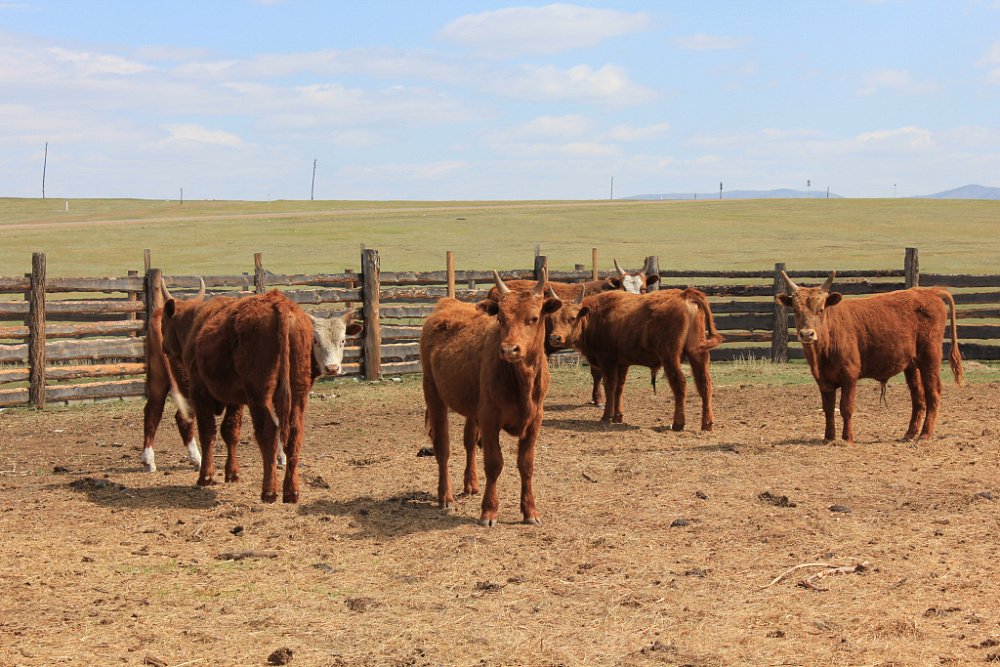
282,459
194,454
148,459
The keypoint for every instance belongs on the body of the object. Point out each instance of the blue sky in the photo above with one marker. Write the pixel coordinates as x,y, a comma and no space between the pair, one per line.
234,99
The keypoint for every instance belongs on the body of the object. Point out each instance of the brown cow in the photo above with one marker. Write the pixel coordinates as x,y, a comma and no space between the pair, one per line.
487,363
615,330
161,380
255,351
874,337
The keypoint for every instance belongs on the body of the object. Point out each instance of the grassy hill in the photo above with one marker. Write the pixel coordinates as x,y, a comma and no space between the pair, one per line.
106,237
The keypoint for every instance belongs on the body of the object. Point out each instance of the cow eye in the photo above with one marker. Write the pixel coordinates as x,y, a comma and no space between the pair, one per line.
533,320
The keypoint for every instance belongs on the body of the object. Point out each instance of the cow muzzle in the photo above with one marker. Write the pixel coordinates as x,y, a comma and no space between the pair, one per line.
332,369
556,339
807,336
511,352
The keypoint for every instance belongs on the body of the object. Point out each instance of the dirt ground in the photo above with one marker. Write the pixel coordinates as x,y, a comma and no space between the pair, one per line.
656,547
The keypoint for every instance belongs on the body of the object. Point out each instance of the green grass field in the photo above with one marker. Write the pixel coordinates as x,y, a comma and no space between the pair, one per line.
98,237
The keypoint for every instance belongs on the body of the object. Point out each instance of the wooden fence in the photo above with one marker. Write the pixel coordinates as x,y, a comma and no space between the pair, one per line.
92,346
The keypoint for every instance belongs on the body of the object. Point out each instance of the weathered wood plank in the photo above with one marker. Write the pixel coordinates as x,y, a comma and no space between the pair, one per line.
86,329
127,284
400,332
977,313
67,350
406,312
958,280
976,331
976,297
19,309
750,322
74,372
307,297
71,392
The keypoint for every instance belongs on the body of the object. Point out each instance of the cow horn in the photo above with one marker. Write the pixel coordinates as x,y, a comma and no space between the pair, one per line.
552,293
788,282
201,291
503,289
829,282
543,277
619,269
165,292
579,299
348,316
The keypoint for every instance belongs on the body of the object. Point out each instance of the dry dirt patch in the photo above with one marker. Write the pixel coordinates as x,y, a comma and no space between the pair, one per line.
653,549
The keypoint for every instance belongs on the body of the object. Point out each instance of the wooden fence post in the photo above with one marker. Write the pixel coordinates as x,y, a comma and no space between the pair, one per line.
912,268
450,267
372,344
593,256
541,262
132,297
779,332
653,262
154,301
147,261
36,332
258,274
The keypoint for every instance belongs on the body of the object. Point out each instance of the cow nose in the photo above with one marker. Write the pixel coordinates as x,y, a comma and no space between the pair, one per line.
555,339
333,370
510,351
807,335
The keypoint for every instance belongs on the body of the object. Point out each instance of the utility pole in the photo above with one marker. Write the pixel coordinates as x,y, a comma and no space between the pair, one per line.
720,189
612,187
312,189
45,163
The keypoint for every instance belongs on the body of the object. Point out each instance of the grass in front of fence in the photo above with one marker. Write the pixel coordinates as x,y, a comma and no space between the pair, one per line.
954,236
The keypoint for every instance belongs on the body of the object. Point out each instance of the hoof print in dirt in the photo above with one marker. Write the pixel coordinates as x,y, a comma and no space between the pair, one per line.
318,482
282,656
843,509
769,498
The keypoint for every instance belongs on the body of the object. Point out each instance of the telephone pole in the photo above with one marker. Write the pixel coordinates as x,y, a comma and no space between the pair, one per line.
312,189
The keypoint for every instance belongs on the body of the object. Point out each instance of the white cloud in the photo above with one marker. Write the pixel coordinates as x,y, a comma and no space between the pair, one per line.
991,59
705,42
540,30
608,85
92,64
895,80
629,133
201,134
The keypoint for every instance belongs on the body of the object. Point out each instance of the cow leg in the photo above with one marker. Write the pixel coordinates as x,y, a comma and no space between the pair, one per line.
267,436
595,395
436,425
931,379
847,391
678,385
526,466
610,381
830,413
186,429
232,424
619,402
703,382
471,440
152,414
493,465
913,381
205,417
290,487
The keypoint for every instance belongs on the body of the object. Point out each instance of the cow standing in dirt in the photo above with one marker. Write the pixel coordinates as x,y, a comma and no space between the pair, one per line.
487,363
615,330
875,337
258,352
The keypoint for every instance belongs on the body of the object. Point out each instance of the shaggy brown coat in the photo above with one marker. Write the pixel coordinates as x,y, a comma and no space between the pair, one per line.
487,363
615,330
255,351
875,337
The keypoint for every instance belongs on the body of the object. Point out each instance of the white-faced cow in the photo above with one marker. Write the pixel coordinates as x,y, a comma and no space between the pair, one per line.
259,351
487,363
634,283
875,337
615,330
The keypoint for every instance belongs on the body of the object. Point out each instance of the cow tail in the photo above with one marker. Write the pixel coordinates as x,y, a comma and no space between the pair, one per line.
183,406
700,300
283,392
955,358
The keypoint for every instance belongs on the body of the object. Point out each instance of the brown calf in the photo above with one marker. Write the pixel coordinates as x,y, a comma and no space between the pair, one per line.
257,352
615,330
874,337
487,363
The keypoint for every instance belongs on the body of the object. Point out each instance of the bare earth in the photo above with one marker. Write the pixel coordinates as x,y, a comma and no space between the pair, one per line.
654,546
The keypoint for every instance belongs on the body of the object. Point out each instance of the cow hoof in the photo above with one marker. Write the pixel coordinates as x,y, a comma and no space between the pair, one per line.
618,419
269,497
707,427
447,505
149,467
598,405
232,478
489,523
532,521
677,427
290,497
206,480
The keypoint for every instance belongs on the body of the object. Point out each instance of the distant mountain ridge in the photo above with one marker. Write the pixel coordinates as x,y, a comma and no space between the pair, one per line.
964,192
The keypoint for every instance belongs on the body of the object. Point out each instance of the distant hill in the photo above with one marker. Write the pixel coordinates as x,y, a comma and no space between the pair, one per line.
966,192
783,193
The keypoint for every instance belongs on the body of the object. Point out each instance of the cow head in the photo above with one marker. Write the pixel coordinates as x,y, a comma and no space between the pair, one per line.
809,306
565,323
636,283
329,338
177,318
521,316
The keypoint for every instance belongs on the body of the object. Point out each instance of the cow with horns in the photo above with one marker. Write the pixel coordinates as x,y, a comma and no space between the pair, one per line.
875,337
487,363
615,330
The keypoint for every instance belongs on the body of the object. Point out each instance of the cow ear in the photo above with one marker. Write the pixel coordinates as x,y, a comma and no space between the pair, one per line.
583,312
488,307
784,300
550,306
169,308
354,328
652,280
833,298
612,283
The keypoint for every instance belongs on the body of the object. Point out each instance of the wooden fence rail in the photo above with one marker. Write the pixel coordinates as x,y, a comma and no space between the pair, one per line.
77,348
